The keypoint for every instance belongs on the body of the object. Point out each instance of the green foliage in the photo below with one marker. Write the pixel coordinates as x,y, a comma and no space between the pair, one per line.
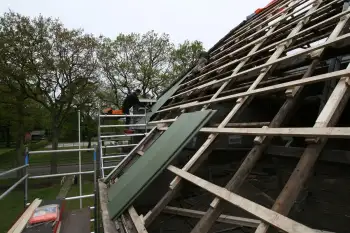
184,57
48,72
49,63
43,61
148,62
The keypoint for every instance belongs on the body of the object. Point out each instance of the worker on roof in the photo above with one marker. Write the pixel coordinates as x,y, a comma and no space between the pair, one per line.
131,100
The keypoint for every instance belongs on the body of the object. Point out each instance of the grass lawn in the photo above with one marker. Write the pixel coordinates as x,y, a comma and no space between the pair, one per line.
63,158
13,203
6,159
87,188
4,150
44,159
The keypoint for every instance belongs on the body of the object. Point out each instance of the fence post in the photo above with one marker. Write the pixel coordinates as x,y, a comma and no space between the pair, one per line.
26,162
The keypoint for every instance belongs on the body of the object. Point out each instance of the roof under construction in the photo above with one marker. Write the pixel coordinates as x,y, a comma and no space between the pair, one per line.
256,141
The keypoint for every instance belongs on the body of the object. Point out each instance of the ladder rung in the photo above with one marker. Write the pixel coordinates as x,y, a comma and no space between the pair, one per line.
113,156
121,116
115,126
123,135
162,121
120,146
110,167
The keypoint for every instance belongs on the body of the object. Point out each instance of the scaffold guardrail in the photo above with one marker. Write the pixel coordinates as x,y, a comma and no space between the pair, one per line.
106,159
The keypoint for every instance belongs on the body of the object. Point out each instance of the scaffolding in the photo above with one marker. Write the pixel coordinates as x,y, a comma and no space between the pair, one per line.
26,177
92,170
109,160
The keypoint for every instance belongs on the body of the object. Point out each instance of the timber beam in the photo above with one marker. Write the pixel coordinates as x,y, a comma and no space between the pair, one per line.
223,218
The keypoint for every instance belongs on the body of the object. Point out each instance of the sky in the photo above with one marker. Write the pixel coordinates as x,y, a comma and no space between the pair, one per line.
204,20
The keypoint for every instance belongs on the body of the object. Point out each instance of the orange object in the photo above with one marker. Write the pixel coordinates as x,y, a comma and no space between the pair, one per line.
259,10
112,111
117,112
47,213
128,131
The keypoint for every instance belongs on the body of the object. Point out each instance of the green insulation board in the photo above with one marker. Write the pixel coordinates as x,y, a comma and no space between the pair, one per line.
154,161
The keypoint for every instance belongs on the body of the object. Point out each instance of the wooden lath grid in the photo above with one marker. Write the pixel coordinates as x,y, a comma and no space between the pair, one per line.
327,6
256,69
239,46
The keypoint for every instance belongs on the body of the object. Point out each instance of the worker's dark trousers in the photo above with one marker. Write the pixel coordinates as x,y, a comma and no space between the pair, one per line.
127,119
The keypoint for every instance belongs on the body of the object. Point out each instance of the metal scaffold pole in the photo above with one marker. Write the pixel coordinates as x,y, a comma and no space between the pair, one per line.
26,164
80,180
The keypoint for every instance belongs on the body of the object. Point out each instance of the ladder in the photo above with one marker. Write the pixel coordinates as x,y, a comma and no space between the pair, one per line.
114,144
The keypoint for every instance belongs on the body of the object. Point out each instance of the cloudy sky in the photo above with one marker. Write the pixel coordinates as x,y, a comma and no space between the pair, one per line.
204,20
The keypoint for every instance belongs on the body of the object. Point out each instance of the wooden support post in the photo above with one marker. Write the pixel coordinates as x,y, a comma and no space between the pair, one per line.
277,220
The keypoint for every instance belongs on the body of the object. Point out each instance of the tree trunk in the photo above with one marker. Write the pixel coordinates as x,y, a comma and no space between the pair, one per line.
54,138
89,141
8,137
20,136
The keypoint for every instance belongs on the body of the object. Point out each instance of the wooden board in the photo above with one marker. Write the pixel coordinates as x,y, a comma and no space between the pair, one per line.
22,221
330,132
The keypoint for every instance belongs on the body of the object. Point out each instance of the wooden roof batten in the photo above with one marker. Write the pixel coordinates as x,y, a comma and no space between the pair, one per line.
226,54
